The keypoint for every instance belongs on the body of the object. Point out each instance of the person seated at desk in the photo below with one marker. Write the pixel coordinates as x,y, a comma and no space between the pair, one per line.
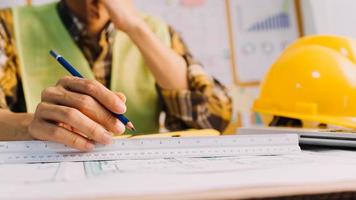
123,50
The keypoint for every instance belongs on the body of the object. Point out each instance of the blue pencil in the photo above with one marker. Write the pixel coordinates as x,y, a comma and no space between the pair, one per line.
74,72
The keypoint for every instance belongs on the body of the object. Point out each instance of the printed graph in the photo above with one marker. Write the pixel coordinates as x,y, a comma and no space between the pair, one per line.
278,21
270,17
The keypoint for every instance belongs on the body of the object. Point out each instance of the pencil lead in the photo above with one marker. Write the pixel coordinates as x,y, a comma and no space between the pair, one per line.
130,126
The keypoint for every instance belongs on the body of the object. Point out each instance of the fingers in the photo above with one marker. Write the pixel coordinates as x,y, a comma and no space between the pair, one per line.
96,90
77,112
85,104
75,119
121,96
46,131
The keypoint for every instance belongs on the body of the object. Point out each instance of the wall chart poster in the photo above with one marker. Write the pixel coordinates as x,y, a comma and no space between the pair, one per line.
261,31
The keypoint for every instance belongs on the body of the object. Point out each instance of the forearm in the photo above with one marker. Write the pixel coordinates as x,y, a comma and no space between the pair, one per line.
207,103
14,126
168,68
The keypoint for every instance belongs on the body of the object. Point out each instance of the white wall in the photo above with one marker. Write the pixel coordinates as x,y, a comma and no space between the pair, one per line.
330,17
319,16
9,3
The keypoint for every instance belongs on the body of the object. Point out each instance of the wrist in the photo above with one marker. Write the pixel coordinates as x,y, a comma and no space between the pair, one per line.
15,125
23,121
136,29
27,119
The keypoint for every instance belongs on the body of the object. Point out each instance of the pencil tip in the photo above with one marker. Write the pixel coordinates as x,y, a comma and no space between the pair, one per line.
130,126
53,53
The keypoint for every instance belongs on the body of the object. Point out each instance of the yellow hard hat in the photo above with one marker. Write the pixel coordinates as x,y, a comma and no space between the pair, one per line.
313,80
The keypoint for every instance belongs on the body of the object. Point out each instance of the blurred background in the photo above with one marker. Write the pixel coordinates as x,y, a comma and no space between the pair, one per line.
237,40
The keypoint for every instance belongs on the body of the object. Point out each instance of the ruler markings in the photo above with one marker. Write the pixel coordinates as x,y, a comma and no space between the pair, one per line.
151,148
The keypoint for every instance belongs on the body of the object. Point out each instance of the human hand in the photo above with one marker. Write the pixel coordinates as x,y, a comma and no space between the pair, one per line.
123,14
76,112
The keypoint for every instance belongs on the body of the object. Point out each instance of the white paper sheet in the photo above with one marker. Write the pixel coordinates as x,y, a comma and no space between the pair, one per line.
160,176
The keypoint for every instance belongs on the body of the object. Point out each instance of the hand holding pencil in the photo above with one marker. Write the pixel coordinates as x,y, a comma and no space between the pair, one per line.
78,112
75,73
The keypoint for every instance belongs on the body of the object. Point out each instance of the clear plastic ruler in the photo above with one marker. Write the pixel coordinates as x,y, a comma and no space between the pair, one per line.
151,148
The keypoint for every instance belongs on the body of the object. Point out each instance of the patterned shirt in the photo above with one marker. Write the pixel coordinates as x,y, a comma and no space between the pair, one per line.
206,104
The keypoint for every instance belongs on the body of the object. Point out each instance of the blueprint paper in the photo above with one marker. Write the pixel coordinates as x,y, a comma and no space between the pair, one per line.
162,176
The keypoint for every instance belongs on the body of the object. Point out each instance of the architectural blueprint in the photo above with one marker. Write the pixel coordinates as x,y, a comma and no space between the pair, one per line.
159,176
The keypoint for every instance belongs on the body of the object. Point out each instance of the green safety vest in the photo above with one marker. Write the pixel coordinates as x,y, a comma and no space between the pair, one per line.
39,29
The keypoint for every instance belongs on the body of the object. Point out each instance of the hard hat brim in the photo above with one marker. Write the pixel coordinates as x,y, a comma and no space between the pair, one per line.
344,121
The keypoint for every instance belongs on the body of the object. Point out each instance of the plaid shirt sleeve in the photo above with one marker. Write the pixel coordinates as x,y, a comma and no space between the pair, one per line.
206,104
8,61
